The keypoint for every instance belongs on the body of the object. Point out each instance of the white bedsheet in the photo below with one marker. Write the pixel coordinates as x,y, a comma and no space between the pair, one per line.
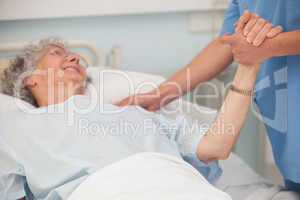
243,183
148,176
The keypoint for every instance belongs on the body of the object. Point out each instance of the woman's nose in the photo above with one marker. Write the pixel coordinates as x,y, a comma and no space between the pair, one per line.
74,58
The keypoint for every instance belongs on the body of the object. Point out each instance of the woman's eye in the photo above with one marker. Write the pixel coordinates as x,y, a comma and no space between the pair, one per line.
58,53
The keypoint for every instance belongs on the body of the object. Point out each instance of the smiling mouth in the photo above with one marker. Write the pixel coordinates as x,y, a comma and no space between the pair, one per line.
73,68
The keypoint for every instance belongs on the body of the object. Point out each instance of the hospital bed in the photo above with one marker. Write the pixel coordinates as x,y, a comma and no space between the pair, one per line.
238,179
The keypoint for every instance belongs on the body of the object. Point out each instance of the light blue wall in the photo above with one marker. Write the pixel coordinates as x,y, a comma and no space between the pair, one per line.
151,43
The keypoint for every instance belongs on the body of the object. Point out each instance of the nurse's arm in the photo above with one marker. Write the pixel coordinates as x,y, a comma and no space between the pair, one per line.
212,60
219,140
285,44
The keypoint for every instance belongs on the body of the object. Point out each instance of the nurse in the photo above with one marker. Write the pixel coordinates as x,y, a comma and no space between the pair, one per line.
277,91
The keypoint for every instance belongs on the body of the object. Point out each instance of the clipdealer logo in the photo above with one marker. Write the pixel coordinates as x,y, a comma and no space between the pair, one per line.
271,96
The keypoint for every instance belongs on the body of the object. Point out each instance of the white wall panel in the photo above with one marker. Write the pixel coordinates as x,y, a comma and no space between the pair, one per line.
36,9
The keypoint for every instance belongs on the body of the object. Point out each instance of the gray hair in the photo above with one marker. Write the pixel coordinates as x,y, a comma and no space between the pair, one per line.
23,65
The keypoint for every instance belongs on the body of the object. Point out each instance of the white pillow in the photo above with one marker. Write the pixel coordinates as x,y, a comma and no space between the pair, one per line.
114,85
8,103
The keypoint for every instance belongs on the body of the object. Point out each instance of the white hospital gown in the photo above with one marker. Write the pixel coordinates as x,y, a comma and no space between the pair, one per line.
55,149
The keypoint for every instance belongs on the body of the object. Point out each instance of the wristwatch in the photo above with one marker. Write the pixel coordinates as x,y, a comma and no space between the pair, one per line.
241,91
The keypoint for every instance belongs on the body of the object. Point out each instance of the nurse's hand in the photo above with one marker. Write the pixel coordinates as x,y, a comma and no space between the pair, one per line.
149,101
155,99
245,53
256,29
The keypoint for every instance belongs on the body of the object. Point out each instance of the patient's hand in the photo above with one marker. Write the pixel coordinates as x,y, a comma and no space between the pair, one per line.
149,101
245,53
248,43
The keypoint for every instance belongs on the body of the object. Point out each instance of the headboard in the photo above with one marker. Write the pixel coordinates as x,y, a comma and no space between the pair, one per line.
93,55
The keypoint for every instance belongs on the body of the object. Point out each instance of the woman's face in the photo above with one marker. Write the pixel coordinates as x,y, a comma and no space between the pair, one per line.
63,66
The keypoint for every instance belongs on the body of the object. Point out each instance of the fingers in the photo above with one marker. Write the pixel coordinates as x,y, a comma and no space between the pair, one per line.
275,31
124,102
257,28
131,100
153,108
243,21
262,35
250,24
138,100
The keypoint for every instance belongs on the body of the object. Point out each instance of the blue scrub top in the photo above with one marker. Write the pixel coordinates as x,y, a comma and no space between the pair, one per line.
278,84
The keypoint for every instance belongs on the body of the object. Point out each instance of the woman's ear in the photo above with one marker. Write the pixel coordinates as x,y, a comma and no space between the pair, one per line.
30,82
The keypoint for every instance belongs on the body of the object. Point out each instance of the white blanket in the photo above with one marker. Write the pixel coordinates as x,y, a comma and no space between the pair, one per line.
148,176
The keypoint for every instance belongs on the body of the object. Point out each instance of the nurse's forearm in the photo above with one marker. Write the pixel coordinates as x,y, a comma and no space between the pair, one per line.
285,44
218,142
211,61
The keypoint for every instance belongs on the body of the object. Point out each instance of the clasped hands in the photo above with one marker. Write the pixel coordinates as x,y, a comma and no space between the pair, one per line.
250,46
250,43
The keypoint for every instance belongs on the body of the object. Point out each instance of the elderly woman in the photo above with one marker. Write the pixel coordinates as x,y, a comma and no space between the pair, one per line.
49,59
53,158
